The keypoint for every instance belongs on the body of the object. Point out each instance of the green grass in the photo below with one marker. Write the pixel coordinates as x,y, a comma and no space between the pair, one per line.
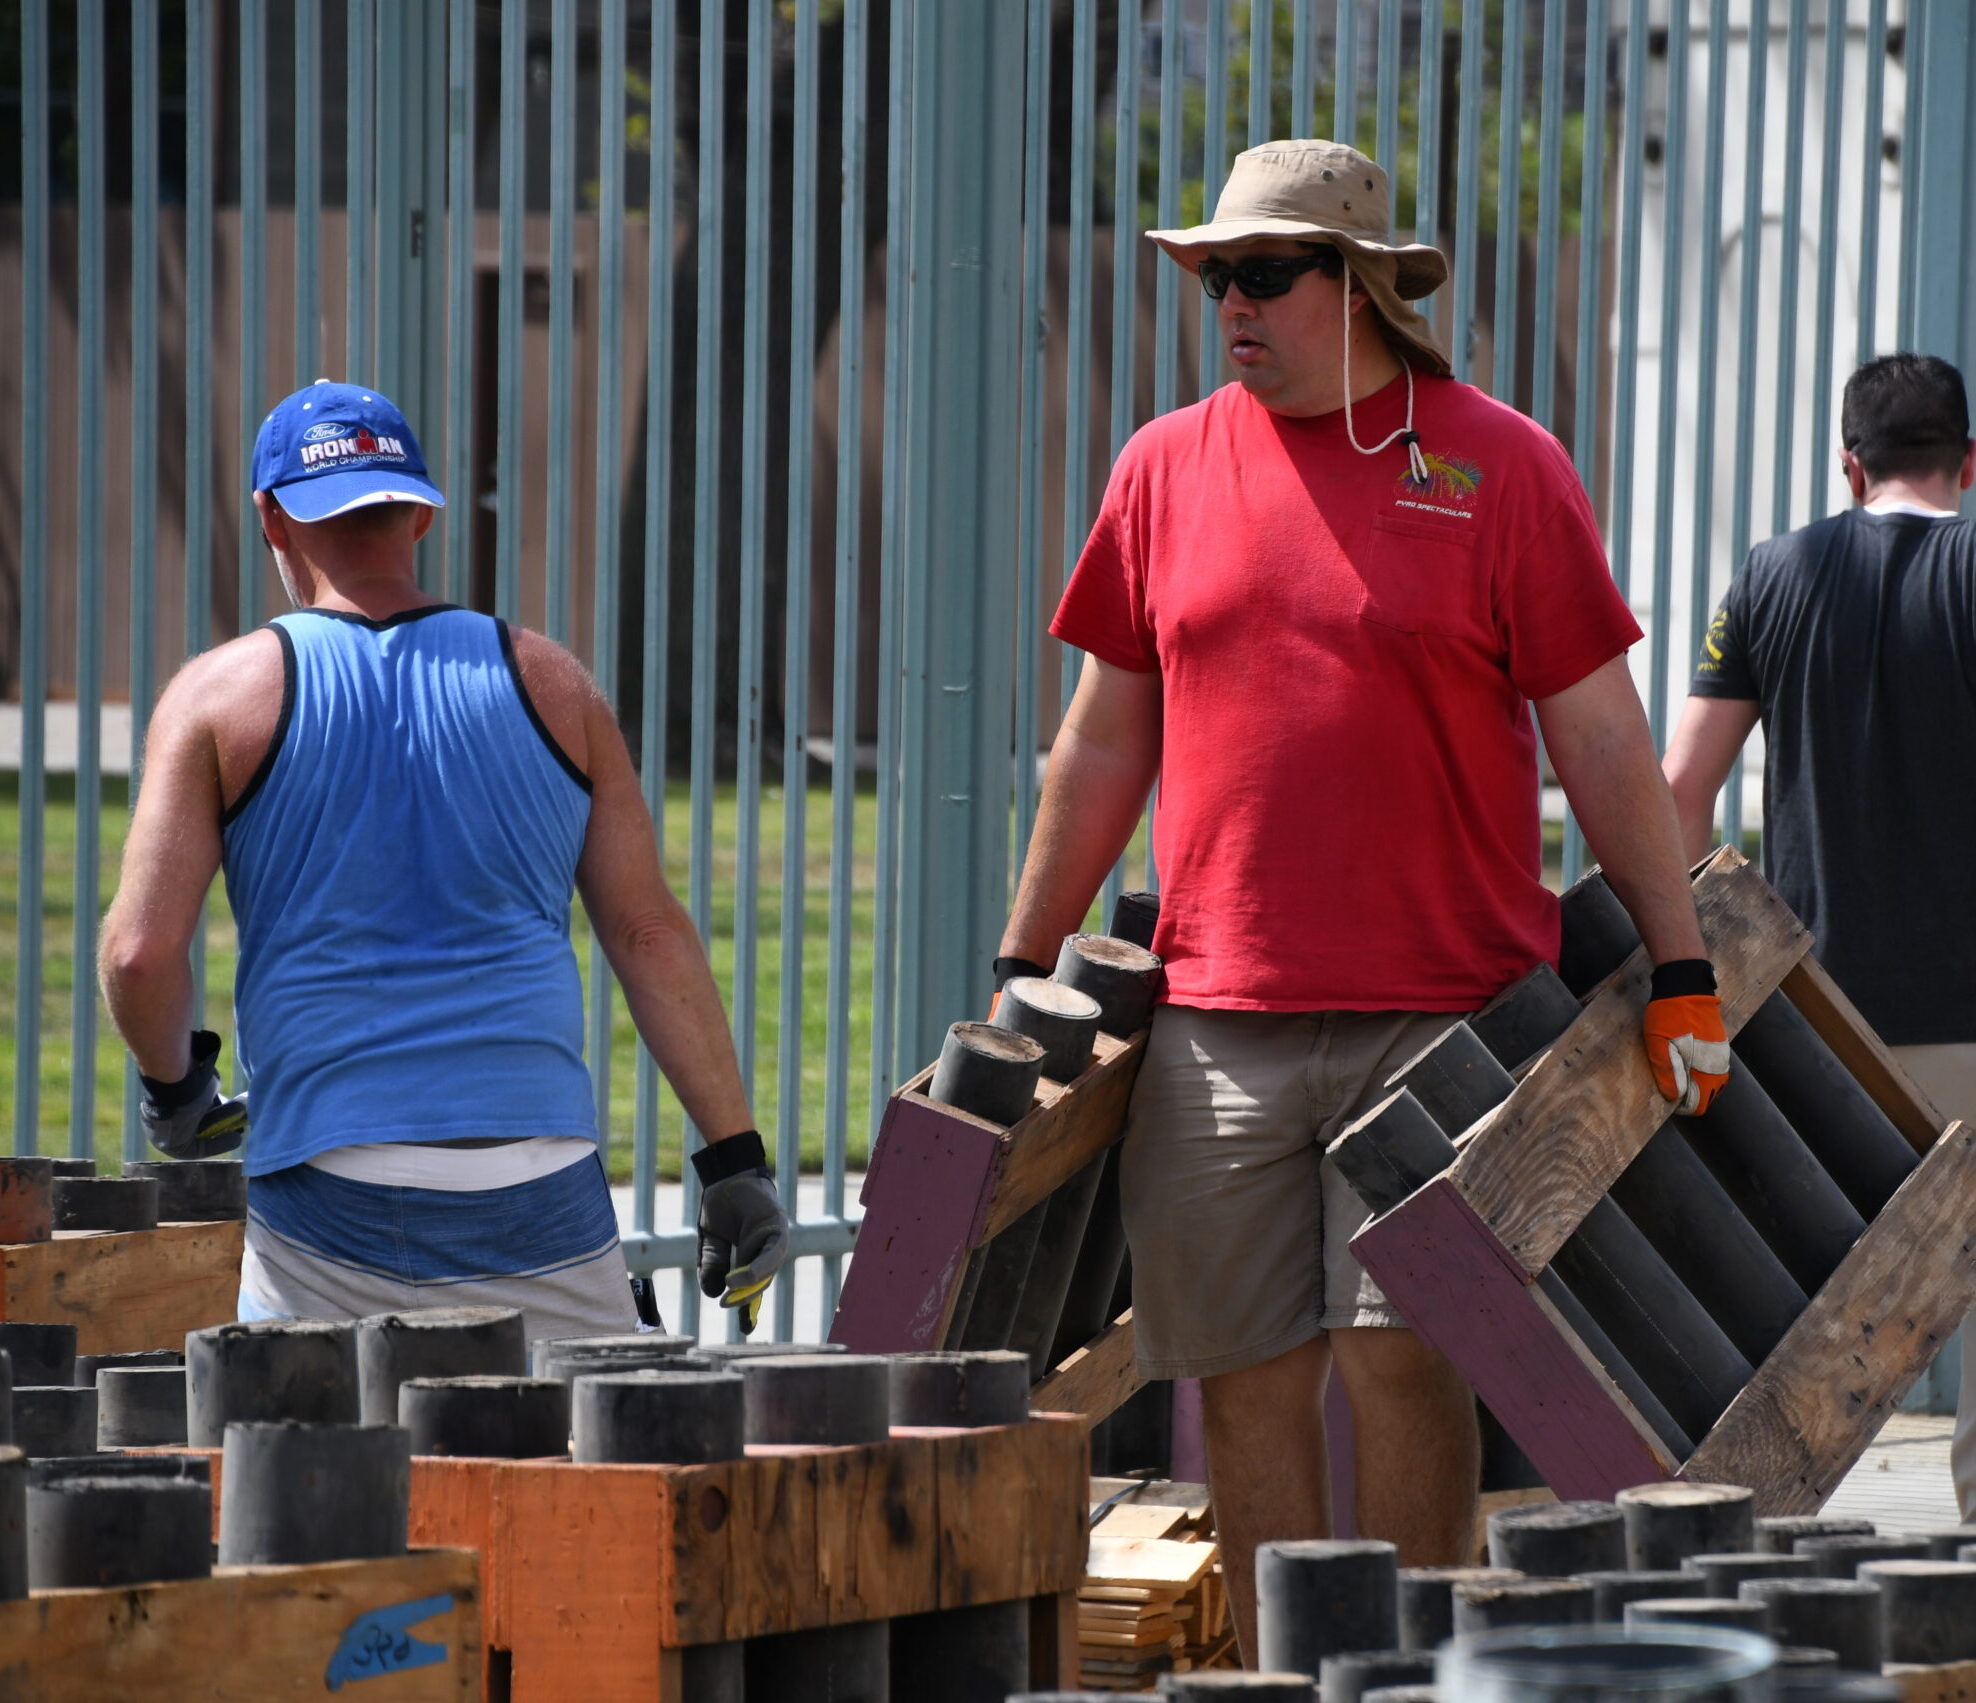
58,908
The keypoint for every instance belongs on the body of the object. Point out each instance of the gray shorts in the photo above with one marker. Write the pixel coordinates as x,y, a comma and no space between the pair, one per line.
1238,1224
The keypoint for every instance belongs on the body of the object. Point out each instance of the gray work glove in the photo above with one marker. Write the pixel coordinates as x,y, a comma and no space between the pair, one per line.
191,1118
744,1233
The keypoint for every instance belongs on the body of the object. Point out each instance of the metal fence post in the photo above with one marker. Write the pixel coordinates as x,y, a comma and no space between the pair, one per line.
1941,131
959,477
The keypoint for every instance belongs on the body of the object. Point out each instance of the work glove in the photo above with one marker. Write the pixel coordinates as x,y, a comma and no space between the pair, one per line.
1687,1047
191,1118
1006,969
744,1233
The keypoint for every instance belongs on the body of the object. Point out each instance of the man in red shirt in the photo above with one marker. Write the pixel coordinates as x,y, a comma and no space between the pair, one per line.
1316,607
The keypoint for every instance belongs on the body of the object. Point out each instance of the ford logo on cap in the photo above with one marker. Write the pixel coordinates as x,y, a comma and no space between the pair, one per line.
322,433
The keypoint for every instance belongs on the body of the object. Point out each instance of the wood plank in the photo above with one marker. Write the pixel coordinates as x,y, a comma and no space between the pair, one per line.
1462,1293
1533,1167
1839,1025
249,1634
1095,1380
926,1199
1067,1130
1053,1642
1953,1682
126,1290
590,1539
452,1507
1157,1564
1130,1519
1010,1509
1808,1414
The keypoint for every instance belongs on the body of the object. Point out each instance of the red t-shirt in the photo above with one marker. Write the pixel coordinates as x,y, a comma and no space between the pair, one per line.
1348,798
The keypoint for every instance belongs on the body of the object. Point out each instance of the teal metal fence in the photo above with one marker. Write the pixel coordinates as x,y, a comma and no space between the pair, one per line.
774,352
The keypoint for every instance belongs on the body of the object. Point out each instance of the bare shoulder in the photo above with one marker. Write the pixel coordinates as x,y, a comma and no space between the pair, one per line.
562,691
221,710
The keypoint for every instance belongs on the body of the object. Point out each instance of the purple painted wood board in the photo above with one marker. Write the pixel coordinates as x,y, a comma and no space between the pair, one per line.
926,1196
1460,1290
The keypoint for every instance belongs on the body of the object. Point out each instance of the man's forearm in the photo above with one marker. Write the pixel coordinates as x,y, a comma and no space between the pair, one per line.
153,1007
1091,802
676,1007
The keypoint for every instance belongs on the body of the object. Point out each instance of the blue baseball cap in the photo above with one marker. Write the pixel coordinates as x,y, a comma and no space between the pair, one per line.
332,447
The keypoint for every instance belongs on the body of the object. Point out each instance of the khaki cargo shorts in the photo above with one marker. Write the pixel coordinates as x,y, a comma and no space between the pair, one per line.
1237,1222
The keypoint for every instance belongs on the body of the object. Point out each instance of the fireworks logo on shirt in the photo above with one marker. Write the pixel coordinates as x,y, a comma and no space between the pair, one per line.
1450,479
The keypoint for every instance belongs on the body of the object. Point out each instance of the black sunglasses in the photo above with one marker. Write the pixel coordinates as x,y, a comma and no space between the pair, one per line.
1262,276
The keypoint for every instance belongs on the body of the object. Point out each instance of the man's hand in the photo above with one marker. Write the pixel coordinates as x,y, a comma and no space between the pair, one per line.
1687,1047
744,1233
191,1118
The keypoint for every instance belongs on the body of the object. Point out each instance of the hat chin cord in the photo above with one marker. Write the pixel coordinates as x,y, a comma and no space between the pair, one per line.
1416,462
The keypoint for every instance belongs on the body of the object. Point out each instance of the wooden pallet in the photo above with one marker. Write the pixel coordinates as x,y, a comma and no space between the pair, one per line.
943,1185
126,1290
1460,1255
407,1629
611,1572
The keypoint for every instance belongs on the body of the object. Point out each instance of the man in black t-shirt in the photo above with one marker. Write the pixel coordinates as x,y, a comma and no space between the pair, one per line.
1853,640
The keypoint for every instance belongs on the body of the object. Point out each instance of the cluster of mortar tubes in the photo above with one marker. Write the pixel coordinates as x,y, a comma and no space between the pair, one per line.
1685,1277
1050,1281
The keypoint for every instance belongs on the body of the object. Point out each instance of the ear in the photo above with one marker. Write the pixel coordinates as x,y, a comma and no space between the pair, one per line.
274,520
422,521
1855,474
1967,477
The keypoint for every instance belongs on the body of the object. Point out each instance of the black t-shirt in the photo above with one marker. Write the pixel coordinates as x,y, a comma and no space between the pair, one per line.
1856,637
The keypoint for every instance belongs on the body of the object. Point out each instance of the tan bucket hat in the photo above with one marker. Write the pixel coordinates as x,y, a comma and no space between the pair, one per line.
1319,191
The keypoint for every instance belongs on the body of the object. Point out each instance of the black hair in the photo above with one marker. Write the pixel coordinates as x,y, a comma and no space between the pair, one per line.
1906,415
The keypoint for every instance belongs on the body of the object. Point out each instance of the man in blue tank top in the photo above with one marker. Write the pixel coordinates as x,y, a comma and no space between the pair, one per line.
403,796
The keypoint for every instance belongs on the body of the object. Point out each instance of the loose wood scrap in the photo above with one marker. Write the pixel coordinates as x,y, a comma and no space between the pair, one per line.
1152,1601
126,1290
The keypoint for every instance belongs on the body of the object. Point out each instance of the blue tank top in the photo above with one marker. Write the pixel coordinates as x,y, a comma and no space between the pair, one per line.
400,870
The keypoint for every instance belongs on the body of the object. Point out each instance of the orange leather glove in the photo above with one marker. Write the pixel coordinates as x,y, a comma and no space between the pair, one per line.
1687,1048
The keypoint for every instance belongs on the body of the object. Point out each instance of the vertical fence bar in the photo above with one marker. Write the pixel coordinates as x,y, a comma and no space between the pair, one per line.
199,50
844,659
1388,131
1550,219
753,553
1591,331
562,312
1214,155
359,163
253,287
1303,64
1869,181
1632,156
796,637
1262,81
144,146
1468,192
1344,93
1035,343
1427,153
461,475
655,626
1079,349
396,50
508,313
1708,252
1509,204
1818,420
34,574
709,243
1789,235
1166,278
1907,306
91,130
308,191
1675,181
604,591
1755,96
888,963
1125,234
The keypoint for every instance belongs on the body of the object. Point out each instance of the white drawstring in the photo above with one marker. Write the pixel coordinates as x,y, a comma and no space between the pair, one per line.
1416,462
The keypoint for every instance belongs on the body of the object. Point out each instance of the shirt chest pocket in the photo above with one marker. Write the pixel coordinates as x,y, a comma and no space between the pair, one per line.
1422,579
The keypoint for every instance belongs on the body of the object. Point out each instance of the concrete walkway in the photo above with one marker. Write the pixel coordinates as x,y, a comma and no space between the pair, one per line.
1902,1482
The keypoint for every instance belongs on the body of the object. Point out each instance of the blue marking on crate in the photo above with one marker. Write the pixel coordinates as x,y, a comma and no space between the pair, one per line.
380,1643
